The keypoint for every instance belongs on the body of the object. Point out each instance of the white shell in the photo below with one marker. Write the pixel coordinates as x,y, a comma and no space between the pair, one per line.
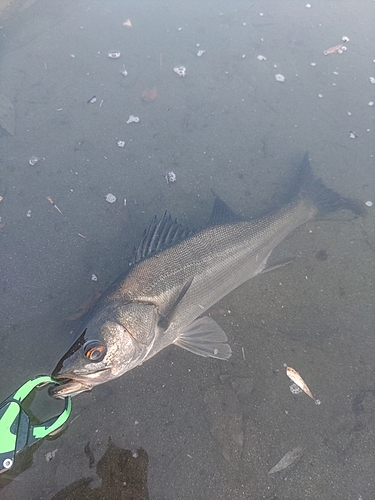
261,58
279,78
121,144
180,71
94,277
369,203
111,198
33,160
114,55
133,119
127,23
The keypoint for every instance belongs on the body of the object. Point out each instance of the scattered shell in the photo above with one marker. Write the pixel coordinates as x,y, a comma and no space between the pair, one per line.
170,177
369,203
149,95
111,198
345,39
200,53
287,460
180,71
372,79
279,78
133,119
94,277
28,213
123,71
261,58
50,455
127,23
33,160
114,55
120,144
298,380
294,389
352,135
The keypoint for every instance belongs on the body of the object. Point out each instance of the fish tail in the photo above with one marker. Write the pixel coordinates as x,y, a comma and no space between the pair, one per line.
325,199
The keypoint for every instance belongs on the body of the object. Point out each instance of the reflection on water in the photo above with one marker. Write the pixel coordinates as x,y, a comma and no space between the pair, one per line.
123,475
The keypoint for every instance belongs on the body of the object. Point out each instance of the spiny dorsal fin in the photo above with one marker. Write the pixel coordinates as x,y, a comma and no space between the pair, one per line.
161,234
222,214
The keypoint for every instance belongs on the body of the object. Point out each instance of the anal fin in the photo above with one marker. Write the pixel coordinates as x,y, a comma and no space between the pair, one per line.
205,338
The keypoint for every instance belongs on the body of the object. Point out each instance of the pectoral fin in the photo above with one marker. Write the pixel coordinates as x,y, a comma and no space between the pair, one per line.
167,316
205,338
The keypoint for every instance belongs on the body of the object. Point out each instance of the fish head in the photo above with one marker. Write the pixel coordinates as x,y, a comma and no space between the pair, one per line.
110,345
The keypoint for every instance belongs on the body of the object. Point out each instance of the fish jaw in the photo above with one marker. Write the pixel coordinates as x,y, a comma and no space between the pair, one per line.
72,384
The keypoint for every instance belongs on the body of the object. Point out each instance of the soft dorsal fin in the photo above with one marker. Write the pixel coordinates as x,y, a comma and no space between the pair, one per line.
222,214
161,234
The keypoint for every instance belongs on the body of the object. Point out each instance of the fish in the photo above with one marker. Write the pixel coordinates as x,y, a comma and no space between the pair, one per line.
298,380
333,49
176,276
289,457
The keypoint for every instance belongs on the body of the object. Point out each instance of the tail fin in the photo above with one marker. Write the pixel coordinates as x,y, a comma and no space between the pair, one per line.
325,199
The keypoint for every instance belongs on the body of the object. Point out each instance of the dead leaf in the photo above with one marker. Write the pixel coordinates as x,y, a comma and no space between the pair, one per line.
149,95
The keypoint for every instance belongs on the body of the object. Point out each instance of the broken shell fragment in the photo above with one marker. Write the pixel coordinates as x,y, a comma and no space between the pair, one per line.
133,119
200,53
127,23
279,77
111,198
123,71
121,144
114,55
180,71
369,203
261,58
170,177
33,160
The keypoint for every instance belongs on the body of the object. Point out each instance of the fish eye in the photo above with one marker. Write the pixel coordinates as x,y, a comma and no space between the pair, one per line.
94,350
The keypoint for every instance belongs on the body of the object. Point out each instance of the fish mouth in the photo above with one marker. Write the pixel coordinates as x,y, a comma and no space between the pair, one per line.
76,384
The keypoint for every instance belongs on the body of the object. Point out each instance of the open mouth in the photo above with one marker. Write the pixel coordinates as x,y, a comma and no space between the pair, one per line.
68,387
77,383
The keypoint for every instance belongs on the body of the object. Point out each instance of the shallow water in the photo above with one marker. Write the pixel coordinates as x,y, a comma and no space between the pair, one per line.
209,429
